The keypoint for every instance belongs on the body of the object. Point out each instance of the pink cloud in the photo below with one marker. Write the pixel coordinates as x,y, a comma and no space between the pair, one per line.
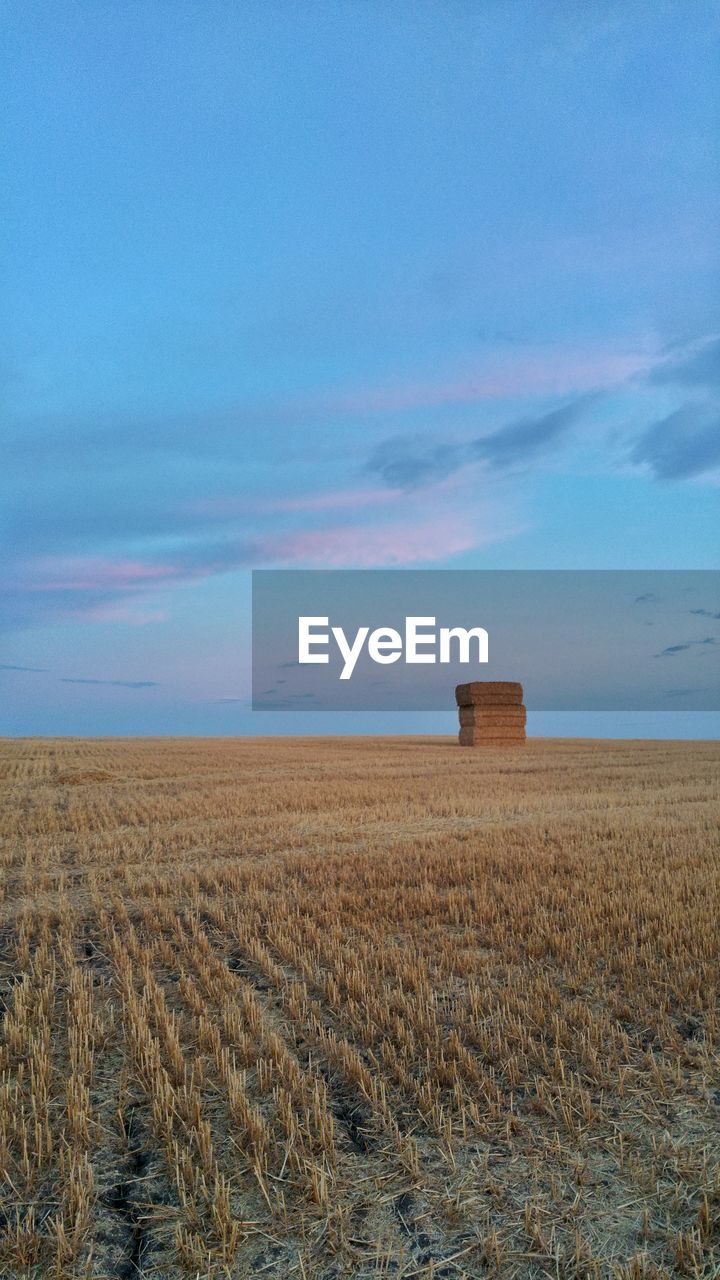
334,500
545,374
94,573
349,546
123,613
420,531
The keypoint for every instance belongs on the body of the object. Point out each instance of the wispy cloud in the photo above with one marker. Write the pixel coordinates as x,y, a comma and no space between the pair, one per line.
119,684
402,463
705,613
560,374
375,546
685,443
106,589
133,590
128,614
96,573
145,546
672,649
214,434
9,666
311,503
695,366
524,440
283,702
115,684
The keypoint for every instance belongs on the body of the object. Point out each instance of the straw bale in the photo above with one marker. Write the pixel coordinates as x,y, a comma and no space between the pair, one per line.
489,693
487,716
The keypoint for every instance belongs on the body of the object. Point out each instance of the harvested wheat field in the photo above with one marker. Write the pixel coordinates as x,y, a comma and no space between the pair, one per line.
359,1007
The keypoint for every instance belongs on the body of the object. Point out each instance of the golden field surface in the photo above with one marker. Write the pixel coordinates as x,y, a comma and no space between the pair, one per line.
361,1007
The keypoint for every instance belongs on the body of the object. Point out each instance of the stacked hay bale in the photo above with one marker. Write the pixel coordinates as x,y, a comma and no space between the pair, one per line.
491,713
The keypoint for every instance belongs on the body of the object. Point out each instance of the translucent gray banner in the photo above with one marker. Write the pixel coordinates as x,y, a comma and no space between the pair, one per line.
394,640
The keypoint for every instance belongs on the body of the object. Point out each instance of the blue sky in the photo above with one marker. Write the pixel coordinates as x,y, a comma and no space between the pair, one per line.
339,285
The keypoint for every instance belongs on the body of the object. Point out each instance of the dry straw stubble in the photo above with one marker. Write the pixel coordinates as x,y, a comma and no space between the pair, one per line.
493,736
359,1007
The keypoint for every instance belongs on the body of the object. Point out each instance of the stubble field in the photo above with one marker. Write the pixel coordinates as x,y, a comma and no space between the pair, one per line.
359,1007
